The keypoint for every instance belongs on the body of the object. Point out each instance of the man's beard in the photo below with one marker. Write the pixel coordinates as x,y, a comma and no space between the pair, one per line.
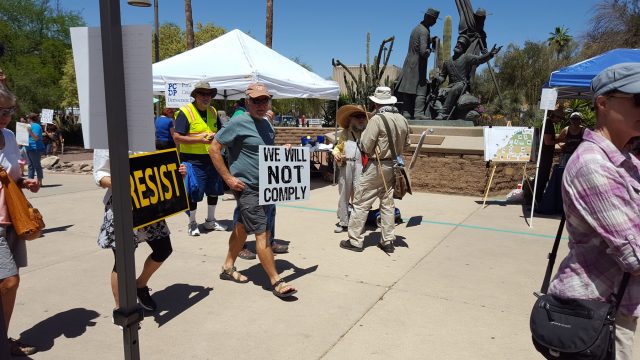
358,128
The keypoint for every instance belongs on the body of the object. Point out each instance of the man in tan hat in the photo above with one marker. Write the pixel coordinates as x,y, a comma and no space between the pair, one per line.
353,120
195,127
377,180
242,137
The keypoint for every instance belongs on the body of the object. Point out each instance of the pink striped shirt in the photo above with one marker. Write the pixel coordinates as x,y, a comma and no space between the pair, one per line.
601,194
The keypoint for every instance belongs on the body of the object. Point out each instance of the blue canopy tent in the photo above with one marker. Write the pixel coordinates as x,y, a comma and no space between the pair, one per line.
574,82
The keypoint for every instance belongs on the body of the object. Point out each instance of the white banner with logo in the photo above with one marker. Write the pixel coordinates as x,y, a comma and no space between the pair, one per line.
178,94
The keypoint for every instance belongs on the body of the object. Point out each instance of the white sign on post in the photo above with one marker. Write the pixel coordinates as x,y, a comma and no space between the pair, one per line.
284,174
178,94
46,117
22,133
138,80
548,99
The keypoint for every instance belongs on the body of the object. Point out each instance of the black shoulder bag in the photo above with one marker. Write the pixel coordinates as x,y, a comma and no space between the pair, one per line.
402,183
574,329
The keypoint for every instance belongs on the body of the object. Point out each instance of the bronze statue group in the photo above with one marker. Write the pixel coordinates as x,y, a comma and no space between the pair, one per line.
424,98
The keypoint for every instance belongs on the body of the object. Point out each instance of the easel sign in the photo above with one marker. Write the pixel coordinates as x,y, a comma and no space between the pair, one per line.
506,144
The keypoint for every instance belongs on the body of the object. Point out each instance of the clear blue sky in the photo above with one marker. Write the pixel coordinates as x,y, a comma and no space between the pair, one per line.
316,31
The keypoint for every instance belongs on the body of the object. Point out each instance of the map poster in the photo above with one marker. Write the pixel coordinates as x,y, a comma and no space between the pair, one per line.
507,143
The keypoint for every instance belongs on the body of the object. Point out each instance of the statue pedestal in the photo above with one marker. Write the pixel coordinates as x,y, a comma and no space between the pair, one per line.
459,123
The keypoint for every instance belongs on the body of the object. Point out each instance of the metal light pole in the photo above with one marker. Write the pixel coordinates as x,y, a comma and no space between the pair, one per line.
129,314
156,26
156,33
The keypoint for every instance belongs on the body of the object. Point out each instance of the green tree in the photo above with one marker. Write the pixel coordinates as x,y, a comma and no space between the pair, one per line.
615,24
559,39
207,32
37,40
522,71
68,83
173,39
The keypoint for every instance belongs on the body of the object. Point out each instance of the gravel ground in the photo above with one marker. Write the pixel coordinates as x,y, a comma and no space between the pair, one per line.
76,153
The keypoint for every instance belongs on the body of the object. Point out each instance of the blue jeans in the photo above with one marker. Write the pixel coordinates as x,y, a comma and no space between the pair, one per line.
34,163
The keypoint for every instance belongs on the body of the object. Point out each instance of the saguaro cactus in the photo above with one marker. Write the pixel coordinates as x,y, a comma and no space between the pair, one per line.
370,76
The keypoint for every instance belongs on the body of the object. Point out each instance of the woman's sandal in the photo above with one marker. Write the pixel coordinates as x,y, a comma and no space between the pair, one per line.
278,289
232,274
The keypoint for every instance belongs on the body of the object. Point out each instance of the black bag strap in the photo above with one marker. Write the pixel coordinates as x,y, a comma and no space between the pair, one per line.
390,136
552,257
615,299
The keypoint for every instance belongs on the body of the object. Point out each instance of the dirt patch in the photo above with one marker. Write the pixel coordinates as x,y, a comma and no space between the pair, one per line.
464,175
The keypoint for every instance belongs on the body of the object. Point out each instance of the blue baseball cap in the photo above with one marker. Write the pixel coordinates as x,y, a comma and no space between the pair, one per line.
624,77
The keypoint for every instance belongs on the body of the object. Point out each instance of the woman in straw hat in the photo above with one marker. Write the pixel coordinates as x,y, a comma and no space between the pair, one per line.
352,119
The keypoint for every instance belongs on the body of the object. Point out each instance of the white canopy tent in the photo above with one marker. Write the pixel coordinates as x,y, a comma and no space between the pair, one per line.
234,60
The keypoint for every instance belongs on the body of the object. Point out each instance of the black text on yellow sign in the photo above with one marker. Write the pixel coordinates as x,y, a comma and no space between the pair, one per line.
157,188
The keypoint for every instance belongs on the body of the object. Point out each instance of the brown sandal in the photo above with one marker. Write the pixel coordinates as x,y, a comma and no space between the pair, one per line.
278,289
232,274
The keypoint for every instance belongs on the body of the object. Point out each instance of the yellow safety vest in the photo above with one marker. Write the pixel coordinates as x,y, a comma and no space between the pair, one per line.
198,127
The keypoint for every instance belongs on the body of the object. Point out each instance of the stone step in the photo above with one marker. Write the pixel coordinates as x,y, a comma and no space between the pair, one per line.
448,130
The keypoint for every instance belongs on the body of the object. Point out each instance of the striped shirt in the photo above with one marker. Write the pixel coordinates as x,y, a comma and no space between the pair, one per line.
601,194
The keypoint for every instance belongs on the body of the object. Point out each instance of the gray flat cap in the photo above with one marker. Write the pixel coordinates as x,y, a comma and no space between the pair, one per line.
623,77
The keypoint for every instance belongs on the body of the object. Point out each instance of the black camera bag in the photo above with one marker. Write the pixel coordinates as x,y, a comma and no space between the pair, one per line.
574,329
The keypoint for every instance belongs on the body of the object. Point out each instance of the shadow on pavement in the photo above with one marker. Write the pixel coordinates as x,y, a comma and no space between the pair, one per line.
175,299
258,277
496,202
526,214
56,229
373,238
71,323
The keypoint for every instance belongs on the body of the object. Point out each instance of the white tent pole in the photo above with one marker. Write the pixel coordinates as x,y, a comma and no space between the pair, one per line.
535,184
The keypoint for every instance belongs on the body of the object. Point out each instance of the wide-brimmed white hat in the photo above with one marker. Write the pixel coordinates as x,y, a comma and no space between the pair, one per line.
383,96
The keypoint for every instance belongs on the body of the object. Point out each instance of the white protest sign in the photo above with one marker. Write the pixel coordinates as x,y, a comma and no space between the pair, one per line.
46,117
284,174
178,94
548,99
138,79
22,134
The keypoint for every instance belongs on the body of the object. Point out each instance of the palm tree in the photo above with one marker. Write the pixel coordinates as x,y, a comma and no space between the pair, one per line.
189,14
269,41
560,38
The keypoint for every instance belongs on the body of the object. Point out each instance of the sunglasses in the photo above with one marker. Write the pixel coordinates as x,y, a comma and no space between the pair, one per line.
204,94
635,97
261,101
359,116
7,111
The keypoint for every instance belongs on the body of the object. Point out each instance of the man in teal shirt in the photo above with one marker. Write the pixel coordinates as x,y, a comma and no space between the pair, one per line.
243,137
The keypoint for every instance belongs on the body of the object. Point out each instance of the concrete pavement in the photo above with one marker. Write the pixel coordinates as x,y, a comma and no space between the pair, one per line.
459,286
